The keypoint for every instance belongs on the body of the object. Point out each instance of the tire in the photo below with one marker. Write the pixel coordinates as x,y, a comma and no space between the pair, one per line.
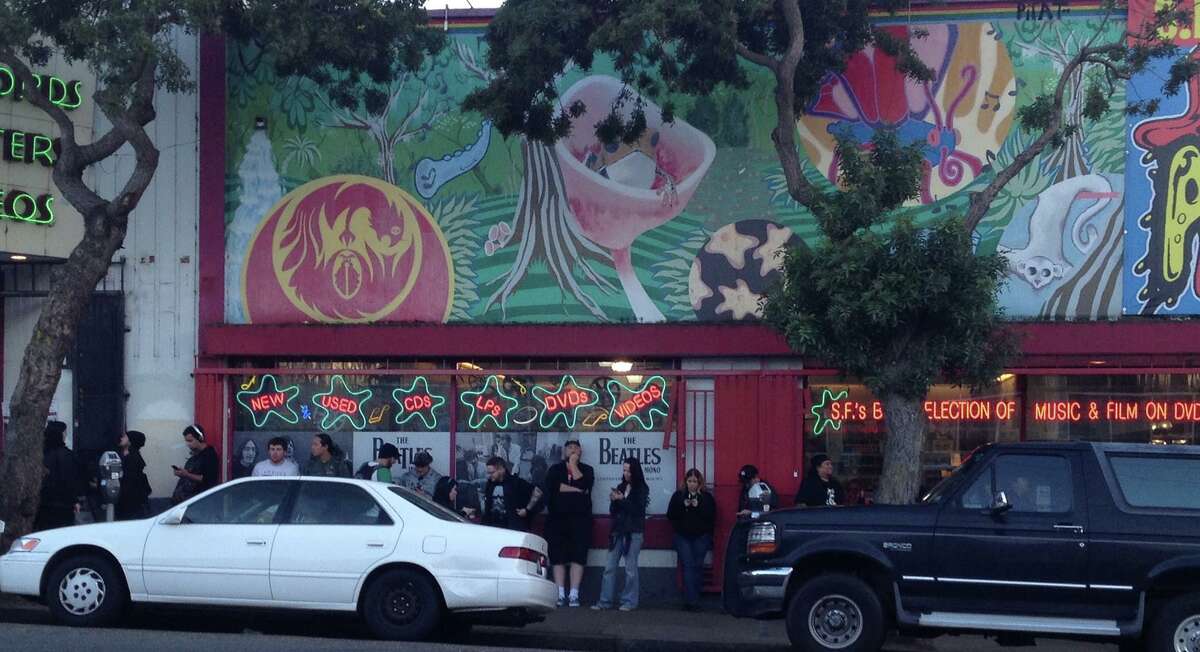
86,590
402,605
835,612
1176,625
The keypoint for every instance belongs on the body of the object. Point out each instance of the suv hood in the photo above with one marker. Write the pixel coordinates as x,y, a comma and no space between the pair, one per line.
865,516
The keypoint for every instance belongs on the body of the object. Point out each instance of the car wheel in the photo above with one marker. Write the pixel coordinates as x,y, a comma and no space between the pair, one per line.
1176,627
86,590
402,605
836,612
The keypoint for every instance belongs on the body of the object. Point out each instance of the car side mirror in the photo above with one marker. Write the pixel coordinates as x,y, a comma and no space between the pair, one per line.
173,517
1000,504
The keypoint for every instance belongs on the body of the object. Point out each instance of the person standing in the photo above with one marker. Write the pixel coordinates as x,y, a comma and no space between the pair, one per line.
569,522
277,462
380,469
627,506
201,472
62,480
133,501
748,477
508,501
693,514
421,477
327,459
819,488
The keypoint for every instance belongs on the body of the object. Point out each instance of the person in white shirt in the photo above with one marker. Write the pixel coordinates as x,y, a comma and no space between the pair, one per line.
277,462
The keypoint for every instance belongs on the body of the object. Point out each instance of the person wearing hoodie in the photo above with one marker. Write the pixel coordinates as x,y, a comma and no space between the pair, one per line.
327,459
820,488
380,469
62,484
133,500
693,513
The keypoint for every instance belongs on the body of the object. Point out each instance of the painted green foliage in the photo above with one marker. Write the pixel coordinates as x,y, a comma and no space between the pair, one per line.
684,225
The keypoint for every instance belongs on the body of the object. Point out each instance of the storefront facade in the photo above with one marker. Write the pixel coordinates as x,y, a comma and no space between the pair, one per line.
414,277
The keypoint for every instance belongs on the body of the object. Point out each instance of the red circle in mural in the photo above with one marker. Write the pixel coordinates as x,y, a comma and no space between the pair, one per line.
348,249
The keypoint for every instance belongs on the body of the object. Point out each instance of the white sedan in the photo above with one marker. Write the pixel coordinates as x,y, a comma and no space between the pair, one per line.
401,561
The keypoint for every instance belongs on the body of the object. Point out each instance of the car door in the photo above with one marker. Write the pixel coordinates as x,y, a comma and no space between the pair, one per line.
221,551
335,533
1029,559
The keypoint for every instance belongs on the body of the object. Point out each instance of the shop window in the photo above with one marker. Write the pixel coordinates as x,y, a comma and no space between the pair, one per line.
846,422
1137,408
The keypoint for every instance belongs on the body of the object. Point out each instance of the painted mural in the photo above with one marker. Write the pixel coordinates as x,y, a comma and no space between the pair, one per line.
1162,218
423,212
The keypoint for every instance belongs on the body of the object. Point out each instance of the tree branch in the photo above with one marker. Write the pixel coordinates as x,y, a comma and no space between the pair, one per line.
757,57
784,134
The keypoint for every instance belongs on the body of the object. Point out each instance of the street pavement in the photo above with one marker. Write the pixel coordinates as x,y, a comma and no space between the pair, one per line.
26,626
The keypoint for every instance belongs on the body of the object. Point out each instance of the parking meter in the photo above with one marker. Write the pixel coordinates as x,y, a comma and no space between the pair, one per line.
759,498
111,471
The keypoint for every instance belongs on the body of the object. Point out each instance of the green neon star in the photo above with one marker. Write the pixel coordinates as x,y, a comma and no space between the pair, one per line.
357,418
630,410
427,414
569,415
818,411
272,398
479,400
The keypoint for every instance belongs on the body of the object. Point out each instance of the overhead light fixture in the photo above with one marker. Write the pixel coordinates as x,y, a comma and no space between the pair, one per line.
1004,377
622,367
469,366
18,257
1096,363
634,379
607,364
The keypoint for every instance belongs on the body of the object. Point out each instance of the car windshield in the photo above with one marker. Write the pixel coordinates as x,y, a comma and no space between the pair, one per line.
948,484
426,505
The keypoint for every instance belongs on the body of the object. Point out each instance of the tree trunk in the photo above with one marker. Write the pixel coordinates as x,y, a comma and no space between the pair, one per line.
905,419
71,286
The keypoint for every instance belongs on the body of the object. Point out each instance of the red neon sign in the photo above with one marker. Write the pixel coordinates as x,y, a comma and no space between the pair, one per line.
855,411
944,410
1116,411
268,401
339,404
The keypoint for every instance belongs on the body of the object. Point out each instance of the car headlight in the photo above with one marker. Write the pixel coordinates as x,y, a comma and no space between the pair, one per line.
24,544
762,539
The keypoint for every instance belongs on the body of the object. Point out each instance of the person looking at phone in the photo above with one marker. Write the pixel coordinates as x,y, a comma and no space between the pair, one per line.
201,472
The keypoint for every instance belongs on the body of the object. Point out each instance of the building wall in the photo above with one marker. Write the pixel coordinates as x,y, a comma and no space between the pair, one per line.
472,227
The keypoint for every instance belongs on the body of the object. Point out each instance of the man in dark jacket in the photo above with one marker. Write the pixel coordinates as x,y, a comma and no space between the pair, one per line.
820,488
508,501
62,484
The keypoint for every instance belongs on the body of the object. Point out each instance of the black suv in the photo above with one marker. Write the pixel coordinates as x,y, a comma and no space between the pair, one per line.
1067,540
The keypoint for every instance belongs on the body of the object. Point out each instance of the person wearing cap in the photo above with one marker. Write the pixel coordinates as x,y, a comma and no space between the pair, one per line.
62,486
748,477
133,501
820,488
380,469
421,476
202,471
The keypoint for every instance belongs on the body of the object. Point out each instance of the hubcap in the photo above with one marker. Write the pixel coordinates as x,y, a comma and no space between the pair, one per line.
1187,635
82,591
835,621
402,605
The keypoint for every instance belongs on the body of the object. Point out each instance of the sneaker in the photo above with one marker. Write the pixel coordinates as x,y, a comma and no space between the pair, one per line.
600,607
574,602
562,601
626,607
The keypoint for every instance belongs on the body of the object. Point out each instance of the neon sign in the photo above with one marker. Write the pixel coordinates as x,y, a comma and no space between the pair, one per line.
269,399
418,401
565,402
1116,411
61,93
21,206
343,404
970,410
818,411
490,402
646,401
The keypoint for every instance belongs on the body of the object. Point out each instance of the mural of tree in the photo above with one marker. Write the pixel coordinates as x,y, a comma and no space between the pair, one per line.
543,227
414,102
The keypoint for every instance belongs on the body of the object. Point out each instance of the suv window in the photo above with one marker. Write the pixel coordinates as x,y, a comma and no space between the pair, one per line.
1036,483
1163,482
336,503
247,503
980,494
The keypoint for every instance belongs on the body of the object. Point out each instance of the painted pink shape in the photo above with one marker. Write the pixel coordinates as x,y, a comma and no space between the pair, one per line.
613,214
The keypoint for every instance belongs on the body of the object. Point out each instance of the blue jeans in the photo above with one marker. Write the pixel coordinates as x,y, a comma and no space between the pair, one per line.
629,594
691,552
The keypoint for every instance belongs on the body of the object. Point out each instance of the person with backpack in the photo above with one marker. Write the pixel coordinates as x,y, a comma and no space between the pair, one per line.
134,500
627,505
380,469
62,482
